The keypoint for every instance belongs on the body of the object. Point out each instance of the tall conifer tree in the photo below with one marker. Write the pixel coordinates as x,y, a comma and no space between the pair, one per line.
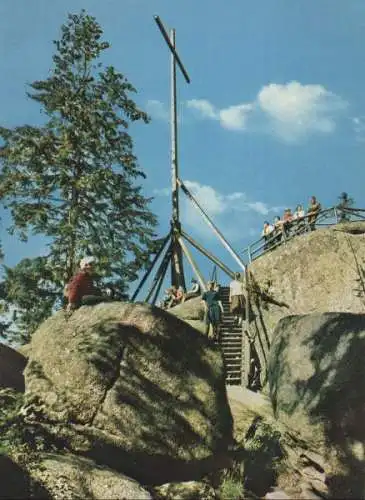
75,179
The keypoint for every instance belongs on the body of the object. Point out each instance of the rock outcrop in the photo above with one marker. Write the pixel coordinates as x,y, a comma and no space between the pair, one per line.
322,271
132,387
316,377
12,364
68,476
192,312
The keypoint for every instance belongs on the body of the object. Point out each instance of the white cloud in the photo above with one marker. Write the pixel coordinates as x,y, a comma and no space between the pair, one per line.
291,111
157,110
233,213
205,108
235,117
358,123
259,207
297,110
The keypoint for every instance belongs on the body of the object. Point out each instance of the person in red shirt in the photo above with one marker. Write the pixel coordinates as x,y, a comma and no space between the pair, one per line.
81,289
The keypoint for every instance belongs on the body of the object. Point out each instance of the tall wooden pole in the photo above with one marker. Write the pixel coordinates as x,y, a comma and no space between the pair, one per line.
177,270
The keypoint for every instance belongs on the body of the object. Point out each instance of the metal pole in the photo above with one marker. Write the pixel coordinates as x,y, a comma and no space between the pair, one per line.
212,225
210,256
193,264
148,272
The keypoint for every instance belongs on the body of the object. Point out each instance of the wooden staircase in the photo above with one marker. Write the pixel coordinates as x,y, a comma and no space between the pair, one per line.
231,342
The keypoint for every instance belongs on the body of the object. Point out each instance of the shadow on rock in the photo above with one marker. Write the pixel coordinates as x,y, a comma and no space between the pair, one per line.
135,388
15,482
317,373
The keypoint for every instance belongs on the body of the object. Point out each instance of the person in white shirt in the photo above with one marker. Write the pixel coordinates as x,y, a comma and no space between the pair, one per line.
299,212
194,290
298,217
237,299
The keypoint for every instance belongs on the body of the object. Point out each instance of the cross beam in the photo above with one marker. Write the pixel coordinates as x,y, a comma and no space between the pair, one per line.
174,242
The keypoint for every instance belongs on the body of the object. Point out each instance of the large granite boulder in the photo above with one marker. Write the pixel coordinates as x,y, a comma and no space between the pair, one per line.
322,271
192,312
133,387
12,364
66,476
316,377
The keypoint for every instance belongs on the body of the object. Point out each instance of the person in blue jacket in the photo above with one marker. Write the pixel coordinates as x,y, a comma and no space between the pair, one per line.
213,309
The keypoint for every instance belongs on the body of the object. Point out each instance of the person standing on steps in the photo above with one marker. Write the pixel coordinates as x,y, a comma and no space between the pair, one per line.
213,310
237,299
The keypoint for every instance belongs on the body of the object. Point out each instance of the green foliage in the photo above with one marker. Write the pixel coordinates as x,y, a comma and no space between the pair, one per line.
264,454
18,437
31,290
232,484
10,428
74,180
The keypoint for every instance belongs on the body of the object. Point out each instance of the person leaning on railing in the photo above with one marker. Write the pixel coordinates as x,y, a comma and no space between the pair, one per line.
278,230
287,219
298,219
312,212
267,234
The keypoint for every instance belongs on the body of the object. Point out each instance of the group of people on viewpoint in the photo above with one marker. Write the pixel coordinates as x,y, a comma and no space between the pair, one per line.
174,296
292,223
81,289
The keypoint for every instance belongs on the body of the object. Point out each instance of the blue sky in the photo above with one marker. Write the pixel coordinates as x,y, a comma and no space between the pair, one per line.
275,111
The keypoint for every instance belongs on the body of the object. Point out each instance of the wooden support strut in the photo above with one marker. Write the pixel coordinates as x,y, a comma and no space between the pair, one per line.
212,225
162,276
193,264
208,254
148,272
160,271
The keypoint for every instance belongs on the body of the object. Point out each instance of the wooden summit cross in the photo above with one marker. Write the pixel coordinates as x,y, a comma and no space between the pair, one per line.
174,244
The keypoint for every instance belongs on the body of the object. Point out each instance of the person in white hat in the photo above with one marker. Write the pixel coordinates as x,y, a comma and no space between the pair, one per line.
81,289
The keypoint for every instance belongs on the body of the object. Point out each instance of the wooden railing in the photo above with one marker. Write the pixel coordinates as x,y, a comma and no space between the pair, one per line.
325,218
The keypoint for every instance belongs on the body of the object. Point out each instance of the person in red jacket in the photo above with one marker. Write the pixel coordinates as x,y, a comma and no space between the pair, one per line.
81,289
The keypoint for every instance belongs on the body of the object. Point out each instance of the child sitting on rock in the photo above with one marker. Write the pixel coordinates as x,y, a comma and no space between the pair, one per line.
81,289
